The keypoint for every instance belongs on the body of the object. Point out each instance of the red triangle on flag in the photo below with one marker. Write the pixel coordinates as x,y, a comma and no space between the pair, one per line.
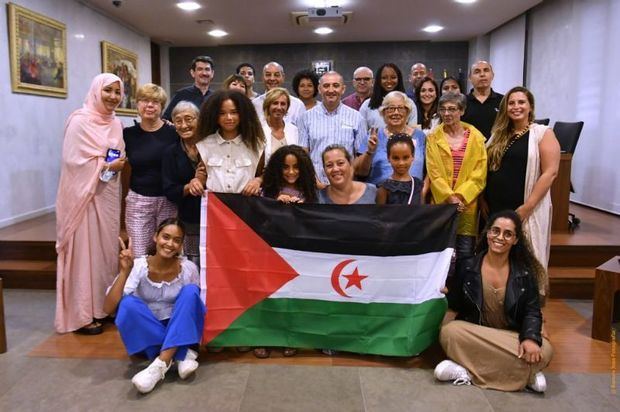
242,269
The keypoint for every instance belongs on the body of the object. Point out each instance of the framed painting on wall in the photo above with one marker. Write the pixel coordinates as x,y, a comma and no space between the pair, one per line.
38,53
124,64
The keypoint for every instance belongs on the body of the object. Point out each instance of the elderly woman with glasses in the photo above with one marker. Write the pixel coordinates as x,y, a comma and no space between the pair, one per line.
183,179
145,142
373,163
388,78
456,164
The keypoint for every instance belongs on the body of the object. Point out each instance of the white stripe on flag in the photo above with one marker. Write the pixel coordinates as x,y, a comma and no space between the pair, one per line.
202,246
391,279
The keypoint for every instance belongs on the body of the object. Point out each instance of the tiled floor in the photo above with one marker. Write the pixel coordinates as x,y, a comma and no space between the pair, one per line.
45,384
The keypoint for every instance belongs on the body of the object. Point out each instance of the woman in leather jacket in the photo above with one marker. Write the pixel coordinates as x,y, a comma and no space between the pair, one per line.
495,341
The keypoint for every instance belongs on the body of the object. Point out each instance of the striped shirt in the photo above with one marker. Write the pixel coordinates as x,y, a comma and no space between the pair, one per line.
457,158
319,128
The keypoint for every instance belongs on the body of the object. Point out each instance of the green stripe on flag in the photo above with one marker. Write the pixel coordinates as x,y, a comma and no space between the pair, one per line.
376,328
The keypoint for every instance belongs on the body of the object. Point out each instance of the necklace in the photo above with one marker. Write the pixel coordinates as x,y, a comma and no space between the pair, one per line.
401,131
516,137
192,153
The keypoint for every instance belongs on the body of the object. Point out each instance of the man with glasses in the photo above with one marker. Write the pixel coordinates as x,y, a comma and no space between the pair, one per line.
202,71
362,84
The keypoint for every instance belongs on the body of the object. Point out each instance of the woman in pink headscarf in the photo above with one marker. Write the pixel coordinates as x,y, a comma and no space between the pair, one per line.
88,208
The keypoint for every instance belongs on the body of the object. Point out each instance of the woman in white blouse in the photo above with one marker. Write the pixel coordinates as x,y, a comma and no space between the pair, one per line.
277,132
159,310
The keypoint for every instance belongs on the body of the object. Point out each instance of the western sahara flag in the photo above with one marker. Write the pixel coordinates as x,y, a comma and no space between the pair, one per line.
358,278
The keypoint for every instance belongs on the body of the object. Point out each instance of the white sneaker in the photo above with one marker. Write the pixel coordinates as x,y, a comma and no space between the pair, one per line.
145,380
452,371
188,365
538,383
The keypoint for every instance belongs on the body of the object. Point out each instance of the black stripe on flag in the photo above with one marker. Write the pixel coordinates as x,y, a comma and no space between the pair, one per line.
390,230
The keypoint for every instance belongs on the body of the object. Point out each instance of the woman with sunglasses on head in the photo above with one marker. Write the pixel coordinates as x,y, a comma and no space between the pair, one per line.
496,340
524,158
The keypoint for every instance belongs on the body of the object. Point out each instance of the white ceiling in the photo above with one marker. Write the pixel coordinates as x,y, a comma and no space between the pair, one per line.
269,21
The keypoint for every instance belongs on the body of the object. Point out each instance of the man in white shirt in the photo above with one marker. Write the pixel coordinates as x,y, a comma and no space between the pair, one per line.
273,76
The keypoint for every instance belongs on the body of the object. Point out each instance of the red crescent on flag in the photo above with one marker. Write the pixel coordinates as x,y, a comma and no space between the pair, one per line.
336,277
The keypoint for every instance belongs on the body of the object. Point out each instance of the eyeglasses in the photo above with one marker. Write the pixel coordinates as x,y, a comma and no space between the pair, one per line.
394,109
149,101
450,110
186,120
506,234
362,79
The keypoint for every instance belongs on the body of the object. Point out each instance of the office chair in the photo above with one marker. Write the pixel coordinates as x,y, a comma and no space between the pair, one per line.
544,122
568,135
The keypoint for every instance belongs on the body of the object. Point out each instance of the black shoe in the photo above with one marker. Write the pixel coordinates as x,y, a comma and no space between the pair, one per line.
92,329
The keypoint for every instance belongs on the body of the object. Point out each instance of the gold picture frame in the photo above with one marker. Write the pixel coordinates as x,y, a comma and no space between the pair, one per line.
38,53
124,64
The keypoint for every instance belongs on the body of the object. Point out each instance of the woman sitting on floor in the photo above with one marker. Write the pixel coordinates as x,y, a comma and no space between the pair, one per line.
160,313
496,340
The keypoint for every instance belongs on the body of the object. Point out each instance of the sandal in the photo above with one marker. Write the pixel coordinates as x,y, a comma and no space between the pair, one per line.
93,328
262,353
288,352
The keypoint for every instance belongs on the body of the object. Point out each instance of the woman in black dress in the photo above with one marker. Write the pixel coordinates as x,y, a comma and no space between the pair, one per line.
183,179
523,160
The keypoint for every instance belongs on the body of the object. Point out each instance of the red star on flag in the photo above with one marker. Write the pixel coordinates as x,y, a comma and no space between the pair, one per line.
354,279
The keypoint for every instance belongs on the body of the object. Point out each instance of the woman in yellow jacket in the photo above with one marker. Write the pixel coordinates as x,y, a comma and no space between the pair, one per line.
456,165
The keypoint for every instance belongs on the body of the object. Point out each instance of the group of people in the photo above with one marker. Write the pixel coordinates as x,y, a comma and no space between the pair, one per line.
382,147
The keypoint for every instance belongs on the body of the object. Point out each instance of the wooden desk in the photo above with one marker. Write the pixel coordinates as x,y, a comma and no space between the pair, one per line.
2,327
606,299
560,194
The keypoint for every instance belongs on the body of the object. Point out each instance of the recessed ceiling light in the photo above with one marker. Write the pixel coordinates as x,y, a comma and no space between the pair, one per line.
433,28
465,1
188,5
323,30
217,33
79,36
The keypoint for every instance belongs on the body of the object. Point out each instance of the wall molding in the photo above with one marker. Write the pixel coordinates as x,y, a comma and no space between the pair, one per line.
26,216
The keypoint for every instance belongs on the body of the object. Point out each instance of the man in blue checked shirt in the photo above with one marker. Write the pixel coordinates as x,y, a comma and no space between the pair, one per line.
330,122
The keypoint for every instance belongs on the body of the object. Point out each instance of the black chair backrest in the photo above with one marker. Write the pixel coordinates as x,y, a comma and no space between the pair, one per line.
568,135
544,122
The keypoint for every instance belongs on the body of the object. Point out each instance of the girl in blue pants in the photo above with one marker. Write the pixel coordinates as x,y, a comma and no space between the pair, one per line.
159,312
